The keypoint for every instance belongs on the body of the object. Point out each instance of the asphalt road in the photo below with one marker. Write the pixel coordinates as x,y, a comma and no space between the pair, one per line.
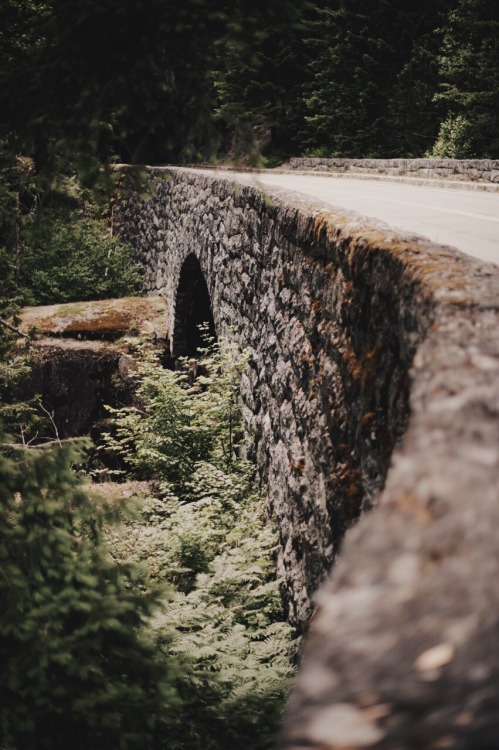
466,219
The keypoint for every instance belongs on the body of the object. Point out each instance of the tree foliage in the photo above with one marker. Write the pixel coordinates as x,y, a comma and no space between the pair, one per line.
92,81
67,253
77,668
182,421
469,81
233,647
258,93
373,77
133,79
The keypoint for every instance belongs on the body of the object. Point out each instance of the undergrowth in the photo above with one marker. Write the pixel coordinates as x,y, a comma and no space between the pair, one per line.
206,534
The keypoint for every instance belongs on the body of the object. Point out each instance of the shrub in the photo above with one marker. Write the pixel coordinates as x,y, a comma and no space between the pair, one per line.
78,668
183,420
74,260
234,647
454,139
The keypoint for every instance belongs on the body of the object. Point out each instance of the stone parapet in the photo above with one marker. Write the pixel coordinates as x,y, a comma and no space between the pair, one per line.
372,397
472,170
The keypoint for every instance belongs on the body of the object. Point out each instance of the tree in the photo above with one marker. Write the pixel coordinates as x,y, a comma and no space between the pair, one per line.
77,668
67,253
469,82
259,92
373,78
133,79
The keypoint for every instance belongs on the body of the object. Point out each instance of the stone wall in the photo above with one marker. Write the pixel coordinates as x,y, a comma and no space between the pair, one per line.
328,312
372,381
330,334
479,170
403,650
82,357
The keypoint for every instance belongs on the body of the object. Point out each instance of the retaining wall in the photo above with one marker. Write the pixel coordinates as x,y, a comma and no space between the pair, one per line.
479,170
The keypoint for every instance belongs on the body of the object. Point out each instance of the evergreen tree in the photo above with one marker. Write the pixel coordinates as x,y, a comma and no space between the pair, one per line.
469,88
259,91
413,113
90,79
99,77
77,669
373,78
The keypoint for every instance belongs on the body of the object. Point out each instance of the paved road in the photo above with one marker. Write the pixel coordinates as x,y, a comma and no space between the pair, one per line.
466,219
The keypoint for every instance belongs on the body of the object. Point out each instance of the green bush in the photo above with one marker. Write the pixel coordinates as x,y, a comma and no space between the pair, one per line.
182,420
75,259
18,416
455,139
234,647
79,669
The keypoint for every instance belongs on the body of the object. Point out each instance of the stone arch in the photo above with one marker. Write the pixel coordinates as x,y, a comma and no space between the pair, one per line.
192,309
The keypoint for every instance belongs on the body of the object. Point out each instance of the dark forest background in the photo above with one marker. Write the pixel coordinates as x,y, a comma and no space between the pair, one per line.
94,653
170,81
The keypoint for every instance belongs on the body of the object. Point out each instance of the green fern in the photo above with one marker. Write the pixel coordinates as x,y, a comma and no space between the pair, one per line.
208,536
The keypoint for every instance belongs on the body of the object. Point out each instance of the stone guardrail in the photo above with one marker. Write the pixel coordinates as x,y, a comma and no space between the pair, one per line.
373,382
474,170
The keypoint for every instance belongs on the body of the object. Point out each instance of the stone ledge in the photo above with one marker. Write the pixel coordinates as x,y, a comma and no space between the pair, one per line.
101,318
82,357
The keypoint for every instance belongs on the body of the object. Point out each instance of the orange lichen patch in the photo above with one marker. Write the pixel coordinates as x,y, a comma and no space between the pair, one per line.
348,289
370,363
114,318
410,504
350,479
317,307
433,270
353,364
367,420
440,272
306,360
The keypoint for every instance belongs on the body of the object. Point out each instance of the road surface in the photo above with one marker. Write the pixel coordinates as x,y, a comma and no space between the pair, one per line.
466,219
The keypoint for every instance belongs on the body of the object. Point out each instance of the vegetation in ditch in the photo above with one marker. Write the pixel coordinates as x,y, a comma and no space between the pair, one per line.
206,534
80,668
59,247
157,625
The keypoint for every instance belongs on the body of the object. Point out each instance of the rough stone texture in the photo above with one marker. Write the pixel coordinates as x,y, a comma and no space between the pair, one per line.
102,319
364,345
406,634
486,170
331,308
82,362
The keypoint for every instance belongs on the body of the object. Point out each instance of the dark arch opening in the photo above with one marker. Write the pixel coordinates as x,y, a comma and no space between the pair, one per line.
192,309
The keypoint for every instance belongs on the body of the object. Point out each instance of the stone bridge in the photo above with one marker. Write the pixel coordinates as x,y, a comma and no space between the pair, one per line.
372,397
